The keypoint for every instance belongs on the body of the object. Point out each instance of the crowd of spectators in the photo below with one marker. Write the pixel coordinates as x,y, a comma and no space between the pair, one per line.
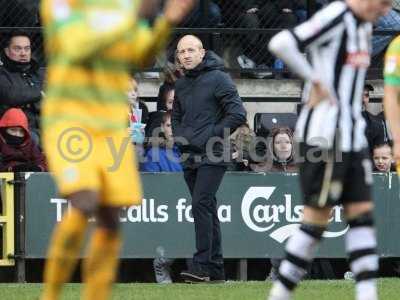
22,80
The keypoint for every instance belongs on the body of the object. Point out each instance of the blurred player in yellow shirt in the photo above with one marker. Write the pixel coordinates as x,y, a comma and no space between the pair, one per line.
91,45
392,94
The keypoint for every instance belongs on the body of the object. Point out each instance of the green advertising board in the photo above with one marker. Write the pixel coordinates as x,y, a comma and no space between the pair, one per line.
258,212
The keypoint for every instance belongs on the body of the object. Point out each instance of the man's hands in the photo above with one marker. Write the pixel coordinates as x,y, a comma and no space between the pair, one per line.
318,94
176,10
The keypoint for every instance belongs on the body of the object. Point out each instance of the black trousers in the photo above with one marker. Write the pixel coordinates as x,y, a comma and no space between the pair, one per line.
203,183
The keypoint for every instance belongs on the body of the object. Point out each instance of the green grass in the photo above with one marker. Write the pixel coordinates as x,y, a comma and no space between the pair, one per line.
308,290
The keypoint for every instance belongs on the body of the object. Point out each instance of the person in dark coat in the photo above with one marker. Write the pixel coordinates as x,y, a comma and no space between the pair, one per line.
374,130
18,152
21,80
206,107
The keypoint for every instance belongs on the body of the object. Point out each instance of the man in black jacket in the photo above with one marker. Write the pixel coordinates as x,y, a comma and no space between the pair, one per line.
21,80
375,128
206,106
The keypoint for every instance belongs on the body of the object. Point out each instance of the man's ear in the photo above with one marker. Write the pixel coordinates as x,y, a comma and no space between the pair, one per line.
7,51
203,53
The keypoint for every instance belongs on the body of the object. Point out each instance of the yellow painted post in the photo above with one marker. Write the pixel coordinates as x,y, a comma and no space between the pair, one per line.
7,219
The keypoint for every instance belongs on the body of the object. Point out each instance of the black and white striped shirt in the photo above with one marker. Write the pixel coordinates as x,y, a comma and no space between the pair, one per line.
338,46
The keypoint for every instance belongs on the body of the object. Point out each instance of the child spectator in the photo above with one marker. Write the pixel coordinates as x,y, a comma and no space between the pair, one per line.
166,97
19,153
161,155
383,158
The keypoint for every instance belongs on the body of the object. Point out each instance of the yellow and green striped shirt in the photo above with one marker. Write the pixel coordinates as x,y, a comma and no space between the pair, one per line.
91,45
392,63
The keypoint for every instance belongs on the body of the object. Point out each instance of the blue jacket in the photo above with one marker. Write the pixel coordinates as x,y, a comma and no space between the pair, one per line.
161,159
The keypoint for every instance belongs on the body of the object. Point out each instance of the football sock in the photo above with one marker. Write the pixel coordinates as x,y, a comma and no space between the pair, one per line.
63,252
100,266
300,251
364,262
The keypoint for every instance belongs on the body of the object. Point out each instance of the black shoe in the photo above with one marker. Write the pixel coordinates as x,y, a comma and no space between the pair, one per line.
217,280
217,273
195,276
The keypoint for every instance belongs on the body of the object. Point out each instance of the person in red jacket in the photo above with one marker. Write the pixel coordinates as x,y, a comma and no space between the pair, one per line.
18,152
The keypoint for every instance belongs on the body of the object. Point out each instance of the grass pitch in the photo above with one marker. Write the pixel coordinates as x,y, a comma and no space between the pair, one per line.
308,290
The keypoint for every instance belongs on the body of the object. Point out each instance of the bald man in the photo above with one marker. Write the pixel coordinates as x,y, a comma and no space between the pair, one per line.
207,107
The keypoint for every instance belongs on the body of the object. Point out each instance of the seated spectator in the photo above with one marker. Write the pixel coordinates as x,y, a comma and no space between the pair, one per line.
198,18
18,151
161,154
21,80
383,158
166,97
138,116
15,14
374,131
390,21
244,149
136,103
281,153
261,14
172,73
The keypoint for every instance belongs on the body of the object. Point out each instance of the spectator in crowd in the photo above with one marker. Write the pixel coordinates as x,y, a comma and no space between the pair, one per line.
241,139
383,158
15,14
136,103
166,96
172,73
21,80
281,156
199,18
138,117
261,14
161,154
18,152
375,130
206,105
245,149
391,21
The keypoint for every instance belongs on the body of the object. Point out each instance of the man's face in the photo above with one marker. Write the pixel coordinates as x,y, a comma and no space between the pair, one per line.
19,49
190,52
372,10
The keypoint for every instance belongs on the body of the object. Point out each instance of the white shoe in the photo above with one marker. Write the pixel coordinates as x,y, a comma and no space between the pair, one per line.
279,292
245,62
162,270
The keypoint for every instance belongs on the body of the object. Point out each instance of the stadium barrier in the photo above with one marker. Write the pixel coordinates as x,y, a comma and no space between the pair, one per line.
258,212
7,219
